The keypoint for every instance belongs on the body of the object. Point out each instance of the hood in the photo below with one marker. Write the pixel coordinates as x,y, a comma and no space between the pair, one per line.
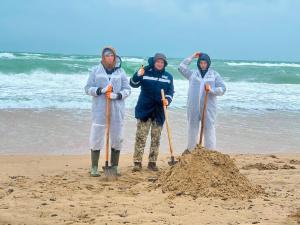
104,63
203,56
160,56
150,66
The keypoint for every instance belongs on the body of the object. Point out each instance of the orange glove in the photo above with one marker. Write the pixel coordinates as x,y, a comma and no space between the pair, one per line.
207,87
108,88
141,71
165,102
196,55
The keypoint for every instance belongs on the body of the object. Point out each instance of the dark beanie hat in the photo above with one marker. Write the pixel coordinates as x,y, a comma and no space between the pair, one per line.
160,56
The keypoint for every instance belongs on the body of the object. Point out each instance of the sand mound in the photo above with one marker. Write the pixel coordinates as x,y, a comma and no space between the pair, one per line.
296,216
260,166
269,166
295,161
207,173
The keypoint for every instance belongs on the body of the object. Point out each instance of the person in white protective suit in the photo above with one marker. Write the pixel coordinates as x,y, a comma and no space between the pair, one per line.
195,103
108,80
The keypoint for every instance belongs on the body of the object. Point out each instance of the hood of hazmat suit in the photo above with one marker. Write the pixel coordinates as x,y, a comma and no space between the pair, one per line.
195,102
205,57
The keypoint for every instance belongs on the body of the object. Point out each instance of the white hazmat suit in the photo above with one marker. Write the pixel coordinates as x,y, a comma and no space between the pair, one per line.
100,79
195,104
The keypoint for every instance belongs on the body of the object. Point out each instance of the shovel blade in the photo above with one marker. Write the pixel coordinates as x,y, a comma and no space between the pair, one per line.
172,163
109,172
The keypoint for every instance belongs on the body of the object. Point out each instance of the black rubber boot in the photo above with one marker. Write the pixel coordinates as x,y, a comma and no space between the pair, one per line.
137,167
152,166
95,158
114,160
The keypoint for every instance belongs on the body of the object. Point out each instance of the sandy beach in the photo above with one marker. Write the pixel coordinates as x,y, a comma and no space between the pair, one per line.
59,190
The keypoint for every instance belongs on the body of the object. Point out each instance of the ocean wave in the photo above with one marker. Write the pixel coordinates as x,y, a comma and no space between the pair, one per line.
134,60
264,64
5,55
42,89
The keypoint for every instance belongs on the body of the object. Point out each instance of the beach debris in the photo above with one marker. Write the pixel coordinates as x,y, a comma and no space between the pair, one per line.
207,173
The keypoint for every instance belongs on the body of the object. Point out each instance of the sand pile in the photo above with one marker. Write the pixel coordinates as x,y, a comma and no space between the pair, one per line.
269,166
296,216
207,173
261,166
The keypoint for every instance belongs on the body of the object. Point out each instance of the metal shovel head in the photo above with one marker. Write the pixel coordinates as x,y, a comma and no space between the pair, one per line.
108,171
172,162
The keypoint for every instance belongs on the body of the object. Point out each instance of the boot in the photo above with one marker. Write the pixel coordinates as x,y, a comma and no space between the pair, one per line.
152,166
137,167
95,158
114,160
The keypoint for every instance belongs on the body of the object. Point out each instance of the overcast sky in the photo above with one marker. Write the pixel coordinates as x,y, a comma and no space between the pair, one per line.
225,29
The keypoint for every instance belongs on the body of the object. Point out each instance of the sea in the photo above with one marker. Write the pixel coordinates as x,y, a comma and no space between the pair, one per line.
261,96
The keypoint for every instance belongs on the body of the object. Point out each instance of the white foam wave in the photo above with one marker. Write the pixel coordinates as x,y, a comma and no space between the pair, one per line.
7,56
264,64
42,89
134,60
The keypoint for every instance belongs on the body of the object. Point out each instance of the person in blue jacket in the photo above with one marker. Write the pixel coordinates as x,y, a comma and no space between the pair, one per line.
149,110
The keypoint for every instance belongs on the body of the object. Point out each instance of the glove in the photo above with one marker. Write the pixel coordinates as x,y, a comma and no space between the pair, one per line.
108,88
141,71
196,55
207,87
165,102
111,95
211,91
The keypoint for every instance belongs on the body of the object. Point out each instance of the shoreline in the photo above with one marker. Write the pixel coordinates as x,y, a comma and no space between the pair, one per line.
66,132
57,189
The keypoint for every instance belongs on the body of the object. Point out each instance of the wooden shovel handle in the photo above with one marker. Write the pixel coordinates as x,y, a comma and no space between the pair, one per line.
107,128
167,122
203,117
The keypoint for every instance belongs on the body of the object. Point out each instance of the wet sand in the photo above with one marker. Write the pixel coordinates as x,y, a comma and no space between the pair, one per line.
66,132
58,190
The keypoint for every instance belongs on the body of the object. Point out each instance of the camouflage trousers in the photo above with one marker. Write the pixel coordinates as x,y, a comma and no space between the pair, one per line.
141,137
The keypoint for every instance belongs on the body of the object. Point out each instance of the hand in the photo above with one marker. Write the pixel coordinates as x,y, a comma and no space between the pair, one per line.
165,102
111,95
141,71
211,91
207,87
108,88
196,55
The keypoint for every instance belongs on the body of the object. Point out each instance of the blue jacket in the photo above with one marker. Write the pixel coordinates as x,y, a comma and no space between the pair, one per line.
150,99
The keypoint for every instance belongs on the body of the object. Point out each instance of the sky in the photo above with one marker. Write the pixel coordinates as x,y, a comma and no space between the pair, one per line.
267,30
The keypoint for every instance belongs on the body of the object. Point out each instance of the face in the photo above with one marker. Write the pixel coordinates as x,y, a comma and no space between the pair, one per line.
109,58
159,64
203,64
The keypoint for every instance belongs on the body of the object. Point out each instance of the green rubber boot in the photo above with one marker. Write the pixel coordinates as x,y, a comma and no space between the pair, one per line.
114,160
95,158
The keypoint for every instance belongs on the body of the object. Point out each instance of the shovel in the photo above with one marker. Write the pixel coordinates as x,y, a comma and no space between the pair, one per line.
173,162
108,170
207,89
